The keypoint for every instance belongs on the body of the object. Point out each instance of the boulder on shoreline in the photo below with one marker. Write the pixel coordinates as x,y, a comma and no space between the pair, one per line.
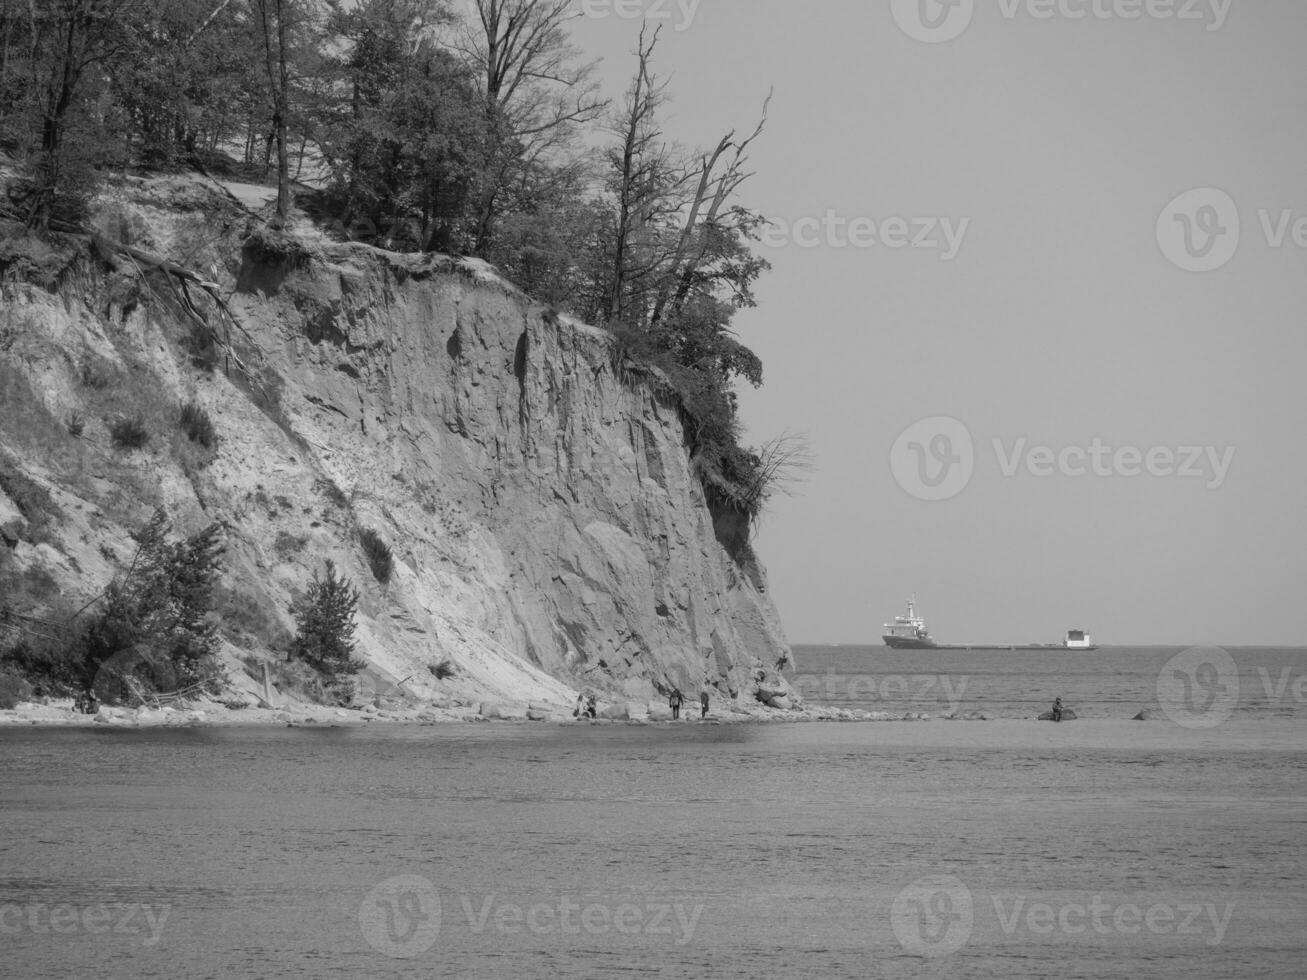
505,711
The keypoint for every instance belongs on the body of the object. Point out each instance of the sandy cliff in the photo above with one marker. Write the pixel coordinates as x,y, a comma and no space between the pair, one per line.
547,530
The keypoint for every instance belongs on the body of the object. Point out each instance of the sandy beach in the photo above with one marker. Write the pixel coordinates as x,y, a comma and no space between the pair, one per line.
822,724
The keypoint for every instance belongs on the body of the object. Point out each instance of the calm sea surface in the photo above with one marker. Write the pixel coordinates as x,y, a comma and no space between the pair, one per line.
1005,848
1110,682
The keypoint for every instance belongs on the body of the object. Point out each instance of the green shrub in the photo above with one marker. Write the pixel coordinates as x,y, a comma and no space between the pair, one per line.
380,560
325,619
76,424
197,425
442,670
129,433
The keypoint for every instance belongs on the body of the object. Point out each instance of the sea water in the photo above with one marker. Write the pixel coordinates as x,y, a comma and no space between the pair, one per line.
1110,682
1002,848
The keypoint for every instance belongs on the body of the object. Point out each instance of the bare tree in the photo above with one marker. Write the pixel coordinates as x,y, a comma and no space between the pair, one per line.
782,463
272,16
66,41
713,192
646,181
677,231
535,91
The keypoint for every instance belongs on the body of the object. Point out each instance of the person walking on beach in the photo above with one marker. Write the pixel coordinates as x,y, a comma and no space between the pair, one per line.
1057,709
703,703
675,701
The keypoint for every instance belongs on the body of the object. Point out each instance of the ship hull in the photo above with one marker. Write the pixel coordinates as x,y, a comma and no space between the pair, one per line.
909,643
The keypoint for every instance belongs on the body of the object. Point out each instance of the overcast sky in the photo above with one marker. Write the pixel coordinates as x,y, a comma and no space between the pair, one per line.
1066,291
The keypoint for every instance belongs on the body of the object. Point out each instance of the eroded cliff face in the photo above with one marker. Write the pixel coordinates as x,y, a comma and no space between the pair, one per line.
547,530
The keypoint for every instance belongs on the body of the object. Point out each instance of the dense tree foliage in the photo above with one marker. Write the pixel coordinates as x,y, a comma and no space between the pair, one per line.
152,626
325,620
416,125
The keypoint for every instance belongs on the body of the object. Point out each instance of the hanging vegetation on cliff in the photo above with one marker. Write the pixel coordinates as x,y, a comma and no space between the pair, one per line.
425,126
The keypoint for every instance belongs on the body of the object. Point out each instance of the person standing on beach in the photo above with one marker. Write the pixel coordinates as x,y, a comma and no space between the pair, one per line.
1057,709
675,701
703,703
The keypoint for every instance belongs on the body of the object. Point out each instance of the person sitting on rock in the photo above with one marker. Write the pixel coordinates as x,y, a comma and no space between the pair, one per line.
1057,709
675,701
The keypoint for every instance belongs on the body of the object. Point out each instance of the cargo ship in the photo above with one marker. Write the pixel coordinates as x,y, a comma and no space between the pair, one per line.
909,632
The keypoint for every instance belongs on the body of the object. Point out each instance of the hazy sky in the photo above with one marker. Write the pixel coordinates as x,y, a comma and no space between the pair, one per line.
1061,297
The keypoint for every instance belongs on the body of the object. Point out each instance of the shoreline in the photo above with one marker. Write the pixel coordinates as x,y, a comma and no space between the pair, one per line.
212,714
60,713
815,727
